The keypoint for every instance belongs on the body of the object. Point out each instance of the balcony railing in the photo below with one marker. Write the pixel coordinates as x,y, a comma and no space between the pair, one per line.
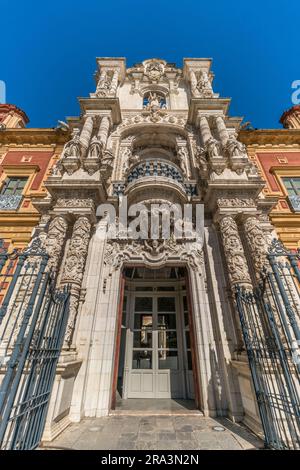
295,203
154,168
10,202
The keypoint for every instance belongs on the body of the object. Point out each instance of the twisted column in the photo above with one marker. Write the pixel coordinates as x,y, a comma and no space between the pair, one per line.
256,242
234,252
55,241
103,130
74,269
222,129
204,129
86,132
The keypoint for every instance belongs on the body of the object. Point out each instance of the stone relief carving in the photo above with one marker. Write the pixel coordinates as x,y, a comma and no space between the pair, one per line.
212,148
160,116
235,202
75,202
234,148
200,84
77,250
95,148
74,269
183,160
257,243
72,148
154,70
234,252
55,240
107,83
154,103
153,252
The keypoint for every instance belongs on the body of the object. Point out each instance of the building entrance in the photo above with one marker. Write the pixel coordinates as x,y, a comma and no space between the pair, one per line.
155,355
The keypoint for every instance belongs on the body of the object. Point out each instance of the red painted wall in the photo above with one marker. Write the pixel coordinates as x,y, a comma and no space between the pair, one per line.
41,159
268,160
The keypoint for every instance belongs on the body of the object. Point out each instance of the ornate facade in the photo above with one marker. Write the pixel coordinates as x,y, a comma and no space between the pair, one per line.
276,154
153,318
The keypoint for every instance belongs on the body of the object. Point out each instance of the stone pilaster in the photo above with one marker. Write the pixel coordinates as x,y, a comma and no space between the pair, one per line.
222,129
86,132
234,252
256,242
74,269
55,241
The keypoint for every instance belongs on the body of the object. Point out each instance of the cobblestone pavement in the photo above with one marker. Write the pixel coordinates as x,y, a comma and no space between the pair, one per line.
155,433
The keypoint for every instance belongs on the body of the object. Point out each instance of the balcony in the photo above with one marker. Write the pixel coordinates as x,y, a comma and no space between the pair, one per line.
10,202
154,168
294,203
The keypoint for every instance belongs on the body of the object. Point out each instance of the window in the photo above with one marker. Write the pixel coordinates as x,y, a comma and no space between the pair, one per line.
292,186
13,186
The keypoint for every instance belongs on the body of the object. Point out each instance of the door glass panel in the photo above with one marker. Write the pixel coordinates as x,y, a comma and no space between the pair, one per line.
142,321
165,288
166,304
167,321
143,304
189,358
187,339
167,339
142,339
167,359
142,359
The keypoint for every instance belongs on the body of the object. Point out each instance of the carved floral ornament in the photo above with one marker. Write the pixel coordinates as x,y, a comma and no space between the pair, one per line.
235,202
160,116
153,252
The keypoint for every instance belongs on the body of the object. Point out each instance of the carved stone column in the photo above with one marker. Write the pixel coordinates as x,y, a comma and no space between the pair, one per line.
86,132
74,269
104,130
204,129
257,242
55,241
222,129
234,253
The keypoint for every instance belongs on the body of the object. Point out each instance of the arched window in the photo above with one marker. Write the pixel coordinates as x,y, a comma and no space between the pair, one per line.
154,99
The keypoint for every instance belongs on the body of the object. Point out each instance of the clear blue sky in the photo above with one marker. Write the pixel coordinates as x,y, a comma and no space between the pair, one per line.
48,49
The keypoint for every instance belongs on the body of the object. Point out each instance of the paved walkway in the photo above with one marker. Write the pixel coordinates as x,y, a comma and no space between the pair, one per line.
121,432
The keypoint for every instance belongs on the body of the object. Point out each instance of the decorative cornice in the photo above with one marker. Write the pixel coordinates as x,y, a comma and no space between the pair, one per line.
34,136
270,136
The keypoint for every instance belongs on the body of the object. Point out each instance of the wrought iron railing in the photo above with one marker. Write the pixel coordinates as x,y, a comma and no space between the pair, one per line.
270,320
294,203
155,168
33,318
10,202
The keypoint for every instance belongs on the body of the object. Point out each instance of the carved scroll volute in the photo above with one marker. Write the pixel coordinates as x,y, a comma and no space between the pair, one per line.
234,253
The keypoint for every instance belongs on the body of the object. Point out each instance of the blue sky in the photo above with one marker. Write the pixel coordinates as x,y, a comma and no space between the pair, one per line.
48,49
